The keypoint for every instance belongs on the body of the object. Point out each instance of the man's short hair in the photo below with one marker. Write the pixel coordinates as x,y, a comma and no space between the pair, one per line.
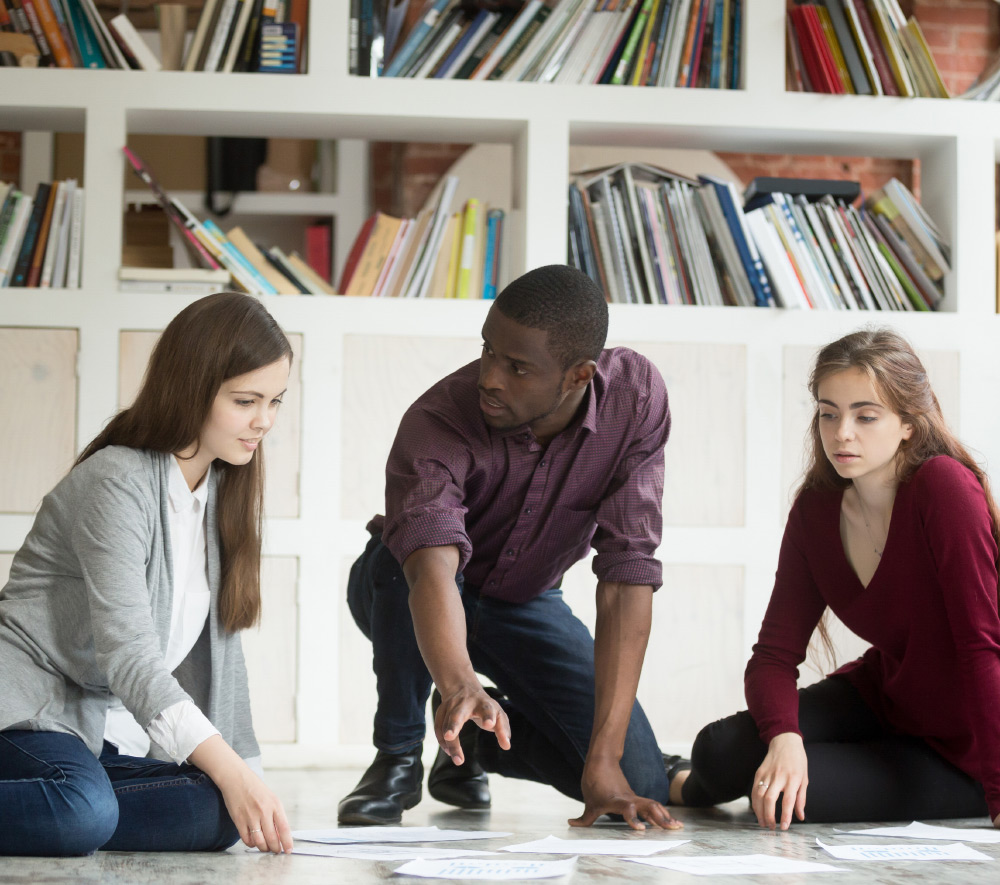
567,304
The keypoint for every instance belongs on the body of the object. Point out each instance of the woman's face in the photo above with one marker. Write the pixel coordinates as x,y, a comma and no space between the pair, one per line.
244,410
860,434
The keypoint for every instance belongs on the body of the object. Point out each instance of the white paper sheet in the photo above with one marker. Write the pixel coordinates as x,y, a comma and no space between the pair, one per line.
616,847
927,831
487,869
955,851
352,835
736,865
385,852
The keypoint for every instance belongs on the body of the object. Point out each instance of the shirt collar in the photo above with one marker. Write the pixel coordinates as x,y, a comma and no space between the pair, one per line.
585,418
180,496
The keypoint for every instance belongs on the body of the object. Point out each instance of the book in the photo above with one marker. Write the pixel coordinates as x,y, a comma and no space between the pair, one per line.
209,11
279,48
377,248
354,255
86,41
48,259
760,188
127,34
73,261
494,244
249,250
420,280
15,237
431,12
198,252
45,57
879,57
319,248
220,34
58,279
22,266
467,249
313,281
109,48
235,40
219,278
507,39
44,12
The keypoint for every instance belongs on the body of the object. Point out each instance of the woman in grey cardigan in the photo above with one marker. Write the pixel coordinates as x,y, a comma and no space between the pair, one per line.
124,710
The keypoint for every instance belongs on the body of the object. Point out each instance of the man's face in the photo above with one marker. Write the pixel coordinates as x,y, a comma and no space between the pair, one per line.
520,381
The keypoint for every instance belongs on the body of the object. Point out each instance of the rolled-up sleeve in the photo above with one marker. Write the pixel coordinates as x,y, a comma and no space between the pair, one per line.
424,488
630,516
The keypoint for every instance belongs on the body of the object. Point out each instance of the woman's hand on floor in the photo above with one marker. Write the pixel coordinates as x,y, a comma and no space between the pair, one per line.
256,812
784,772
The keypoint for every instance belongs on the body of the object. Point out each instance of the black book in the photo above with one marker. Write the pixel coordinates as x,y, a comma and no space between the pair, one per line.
250,49
23,264
852,57
812,189
485,45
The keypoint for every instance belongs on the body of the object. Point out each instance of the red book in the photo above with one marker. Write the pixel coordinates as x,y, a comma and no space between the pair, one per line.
699,42
319,244
810,53
298,12
878,50
356,249
834,83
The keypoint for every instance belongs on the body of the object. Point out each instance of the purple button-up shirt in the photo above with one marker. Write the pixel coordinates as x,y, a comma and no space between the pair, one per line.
521,513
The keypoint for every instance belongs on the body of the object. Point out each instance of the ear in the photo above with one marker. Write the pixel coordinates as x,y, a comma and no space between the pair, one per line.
579,376
907,431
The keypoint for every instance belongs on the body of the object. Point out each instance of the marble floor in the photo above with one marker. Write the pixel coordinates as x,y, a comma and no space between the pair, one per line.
526,810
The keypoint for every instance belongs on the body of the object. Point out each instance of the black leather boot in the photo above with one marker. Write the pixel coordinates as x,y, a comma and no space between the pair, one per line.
390,786
465,785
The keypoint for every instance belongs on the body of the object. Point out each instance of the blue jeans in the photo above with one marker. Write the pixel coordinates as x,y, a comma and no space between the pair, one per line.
538,653
58,800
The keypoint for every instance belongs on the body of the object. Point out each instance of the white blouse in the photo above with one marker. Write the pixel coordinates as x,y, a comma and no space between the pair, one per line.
182,726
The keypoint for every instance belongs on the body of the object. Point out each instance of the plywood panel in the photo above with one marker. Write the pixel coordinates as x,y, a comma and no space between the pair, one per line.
395,371
283,442
942,368
693,672
271,651
38,398
5,562
706,454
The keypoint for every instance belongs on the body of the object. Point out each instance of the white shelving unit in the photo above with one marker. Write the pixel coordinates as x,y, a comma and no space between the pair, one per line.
363,360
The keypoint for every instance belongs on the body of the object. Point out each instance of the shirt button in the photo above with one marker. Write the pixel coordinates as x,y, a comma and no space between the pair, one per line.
493,583
510,552
541,463
527,510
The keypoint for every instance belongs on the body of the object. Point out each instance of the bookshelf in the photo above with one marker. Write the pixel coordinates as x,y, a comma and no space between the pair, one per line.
735,374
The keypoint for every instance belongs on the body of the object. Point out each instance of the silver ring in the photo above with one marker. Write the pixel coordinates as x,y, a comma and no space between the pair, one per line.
254,831
759,784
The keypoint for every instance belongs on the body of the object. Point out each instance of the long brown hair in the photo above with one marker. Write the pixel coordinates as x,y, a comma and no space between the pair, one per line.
901,382
212,340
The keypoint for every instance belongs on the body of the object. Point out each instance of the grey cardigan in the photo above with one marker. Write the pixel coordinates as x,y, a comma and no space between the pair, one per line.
86,612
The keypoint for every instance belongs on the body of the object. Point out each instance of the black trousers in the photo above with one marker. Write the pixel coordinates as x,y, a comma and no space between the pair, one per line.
858,771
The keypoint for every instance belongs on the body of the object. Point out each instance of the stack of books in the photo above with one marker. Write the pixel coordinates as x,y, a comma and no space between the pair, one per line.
231,35
41,235
252,267
650,236
862,47
437,254
249,36
618,42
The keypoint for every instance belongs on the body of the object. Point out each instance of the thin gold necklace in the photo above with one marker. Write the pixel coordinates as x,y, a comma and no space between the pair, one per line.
864,516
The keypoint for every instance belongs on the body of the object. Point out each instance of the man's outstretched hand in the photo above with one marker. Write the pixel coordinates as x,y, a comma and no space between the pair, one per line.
605,791
468,703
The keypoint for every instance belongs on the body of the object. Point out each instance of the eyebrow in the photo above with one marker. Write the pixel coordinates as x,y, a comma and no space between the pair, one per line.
255,393
864,404
512,358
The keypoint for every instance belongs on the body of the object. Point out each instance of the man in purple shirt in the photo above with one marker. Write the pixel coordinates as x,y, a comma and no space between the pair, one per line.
501,476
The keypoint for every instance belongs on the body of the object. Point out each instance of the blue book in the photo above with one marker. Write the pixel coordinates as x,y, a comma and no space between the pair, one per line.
491,262
717,28
86,40
432,12
452,58
736,42
660,38
238,257
745,245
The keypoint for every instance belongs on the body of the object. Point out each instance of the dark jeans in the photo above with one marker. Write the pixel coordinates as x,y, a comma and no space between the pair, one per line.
58,800
539,655
857,769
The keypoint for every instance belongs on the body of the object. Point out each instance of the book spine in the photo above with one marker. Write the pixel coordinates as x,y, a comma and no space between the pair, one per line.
45,57
628,53
61,13
50,26
19,276
878,51
52,243
247,273
415,37
468,252
90,53
494,243
220,36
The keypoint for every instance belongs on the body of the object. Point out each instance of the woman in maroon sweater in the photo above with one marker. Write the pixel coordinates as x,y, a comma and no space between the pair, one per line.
895,530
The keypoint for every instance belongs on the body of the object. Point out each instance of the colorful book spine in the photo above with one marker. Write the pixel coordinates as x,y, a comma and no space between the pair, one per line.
494,243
